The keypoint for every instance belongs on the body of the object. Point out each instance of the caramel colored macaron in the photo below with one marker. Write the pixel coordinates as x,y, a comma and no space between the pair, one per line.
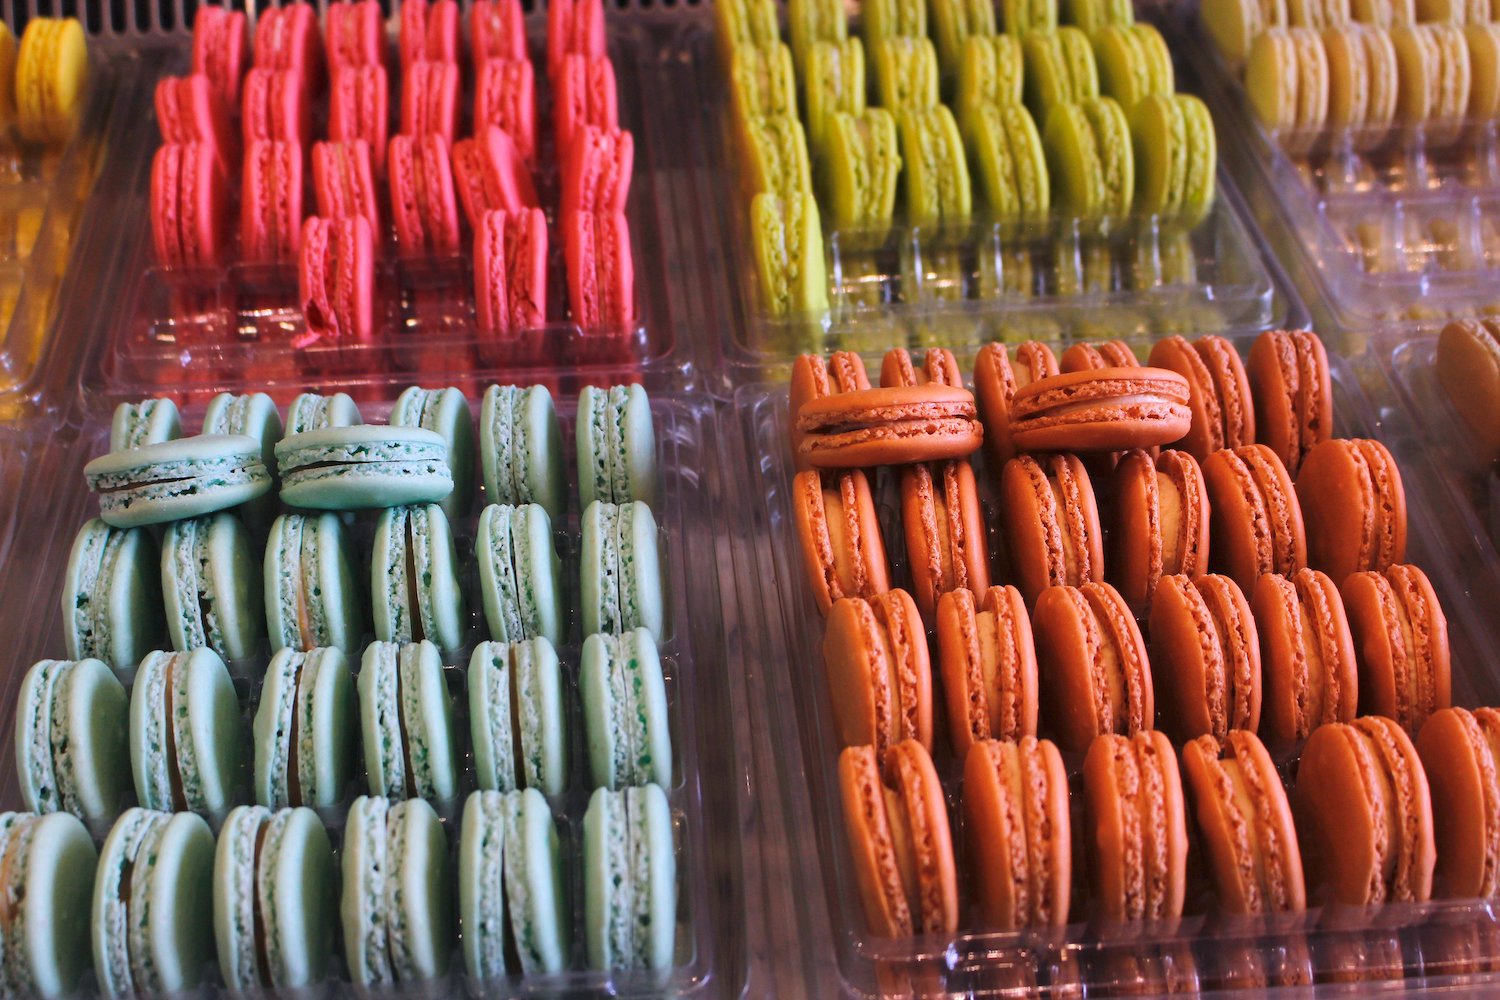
838,527
879,673
1468,367
814,378
1161,522
1085,357
1218,392
935,365
987,661
1459,751
1244,822
897,825
1095,675
1289,380
1205,657
1255,521
867,427
996,381
1015,804
1138,849
1307,663
1050,523
1103,409
1401,642
1354,507
945,539
1364,815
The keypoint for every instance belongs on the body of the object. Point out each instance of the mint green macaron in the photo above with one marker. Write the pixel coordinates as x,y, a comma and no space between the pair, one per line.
72,746
253,415
363,467
520,575
186,738
625,711
150,421
189,477
313,596
446,413
304,729
520,448
47,869
629,879
111,597
517,717
511,891
619,569
616,445
311,412
416,539
406,717
211,586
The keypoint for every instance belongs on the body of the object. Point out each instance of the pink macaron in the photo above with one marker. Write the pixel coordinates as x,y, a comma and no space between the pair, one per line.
585,96
497,30
574,27
336,279
271,202
358,108
510,271
355,34
505,97
601,271
429,32
429,99
274,105
188,201
344,182
221,42
287,38
189,109
491,175
423,203
596,176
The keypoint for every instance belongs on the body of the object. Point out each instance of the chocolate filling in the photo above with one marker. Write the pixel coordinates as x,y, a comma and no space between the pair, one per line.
262,951
174,775
411,777
514,666
413,592
293,771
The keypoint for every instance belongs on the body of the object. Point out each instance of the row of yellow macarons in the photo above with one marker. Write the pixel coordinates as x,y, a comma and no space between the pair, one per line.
1233,25
43,80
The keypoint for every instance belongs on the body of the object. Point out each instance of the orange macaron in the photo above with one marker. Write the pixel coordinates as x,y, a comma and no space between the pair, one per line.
879,671
996,381
1137,848
1401,643
814,378
945,536
935,365
1161,522
1293,393
839,531
1205,657
1459,751
1101,409
987,661
1218,392
1092,661
889,426
1307,663
1354,507
1082,357
1255,521
1050,523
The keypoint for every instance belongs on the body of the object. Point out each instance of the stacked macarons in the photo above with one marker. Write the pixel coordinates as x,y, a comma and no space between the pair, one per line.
1081,118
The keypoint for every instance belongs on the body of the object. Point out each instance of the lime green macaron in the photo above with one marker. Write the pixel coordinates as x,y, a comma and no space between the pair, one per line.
1133,63
787,240
1089,157
936,174
1089,16
1059,69
815,21
834,81
989,71
882,19
906,73
1022,16
1175,157
1005,154
859,169
762,81
956,21
776,155
745,22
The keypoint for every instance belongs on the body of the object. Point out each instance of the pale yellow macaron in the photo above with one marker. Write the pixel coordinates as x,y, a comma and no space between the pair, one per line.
1383,13
1286,78
1433,66
1484,70
1233,25
51,76
1456,11
1317,14
1362,77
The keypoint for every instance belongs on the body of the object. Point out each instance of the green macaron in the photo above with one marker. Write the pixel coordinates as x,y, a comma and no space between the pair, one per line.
511,891
414,578
362,467
1060,69
1089,155
406,718
445,412
72,746
1133,63
616,437
936,174
520,448
776,157
956,21
814,21
859,170
517,719
625,710
275,899
882,19
1006,155
1091,15
397,903
211,586
762,81
1024,16
253,415
790,267
189,477
111,596
520,575
313,595
990,71
186,737
619,569
153,924
150,421
906,73
47,870
629,879
1175,157
304,729
312,412
835,81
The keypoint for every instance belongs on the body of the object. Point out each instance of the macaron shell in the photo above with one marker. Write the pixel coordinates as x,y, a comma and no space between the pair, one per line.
1051,524
179,929
945,532
909,767
214,724
1147,850
843,552
55,887
334,727
1307,657
432,723
1457,748
1354,507
303,886
871,846
98,739
879,672
426,889
1076,630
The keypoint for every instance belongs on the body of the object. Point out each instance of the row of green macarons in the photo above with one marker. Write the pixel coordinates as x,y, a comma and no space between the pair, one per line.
151,911
326,458
209,583
176,740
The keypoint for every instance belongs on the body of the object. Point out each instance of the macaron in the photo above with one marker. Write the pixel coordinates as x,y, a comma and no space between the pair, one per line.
629,879
429,32
814,377
446,413
1484,70
1363,80
596,177
49,865
510,272
72,749
275,895
520,575
1023,16
1307,656
311,412
1105,409
253,415
211,586
882,19
839,531
762,81
990,71
1293,393
775,155
111,596
152,912
406,719
996,381
188,200
1007,160
354,34
1161,522
517,716
1051,523
987,660
363,466
1234,25
512,897
186,734
954,22
304,729
1255,520
1095,672
879,671
834,81
1218,392
1433,67
1205,657
430,93
935,178
397,904
272,197
906,73
585,93
1060,69
520,448
810,21
945,533
1364,814
896,820
1286,79
336,279
1317,13
601,271
1354,507
893,426
1176,156
1091,15
859,169
1019,834
505,97
1138,851
1089,155
312,594
787,242
414,585
275,106
903,367
423,203
1401,643
52,73
151,421
190,477
1458,749
626,726
344,181
287,38
1134,63
221,43
619,573
745,22
1244,823
1086,356
616,441
491,175
574,26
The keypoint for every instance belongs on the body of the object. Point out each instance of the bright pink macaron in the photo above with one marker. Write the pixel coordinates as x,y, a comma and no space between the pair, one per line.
287,38
345,182
271,202
505,97
188,200
497,30
355,34
585,95
423,203
429,32
596,176
510,271
336,279
429,99
491,175
189,109
574,27
274,105
601,271
221,40
359,108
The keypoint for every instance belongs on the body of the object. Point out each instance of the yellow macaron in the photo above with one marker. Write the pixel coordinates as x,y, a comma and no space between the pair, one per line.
1383,13
1362,80
1317,14
1286,77
1484,70
51,76
1234,25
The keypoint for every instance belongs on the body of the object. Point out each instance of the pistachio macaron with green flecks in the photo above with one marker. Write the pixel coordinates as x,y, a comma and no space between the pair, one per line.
616,438
253,415
363,467
414,578
520,448
151,421
111,596
625,720
47,870
619,569
629,879
305,729
520,575
1089,155
186,738
313,595
446,413
518,717
211,586
72,749
406,717
310,412
173,480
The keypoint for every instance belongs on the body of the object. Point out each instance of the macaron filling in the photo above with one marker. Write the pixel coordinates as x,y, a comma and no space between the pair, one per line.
390,719
378,888
16,837
418,757
492,930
